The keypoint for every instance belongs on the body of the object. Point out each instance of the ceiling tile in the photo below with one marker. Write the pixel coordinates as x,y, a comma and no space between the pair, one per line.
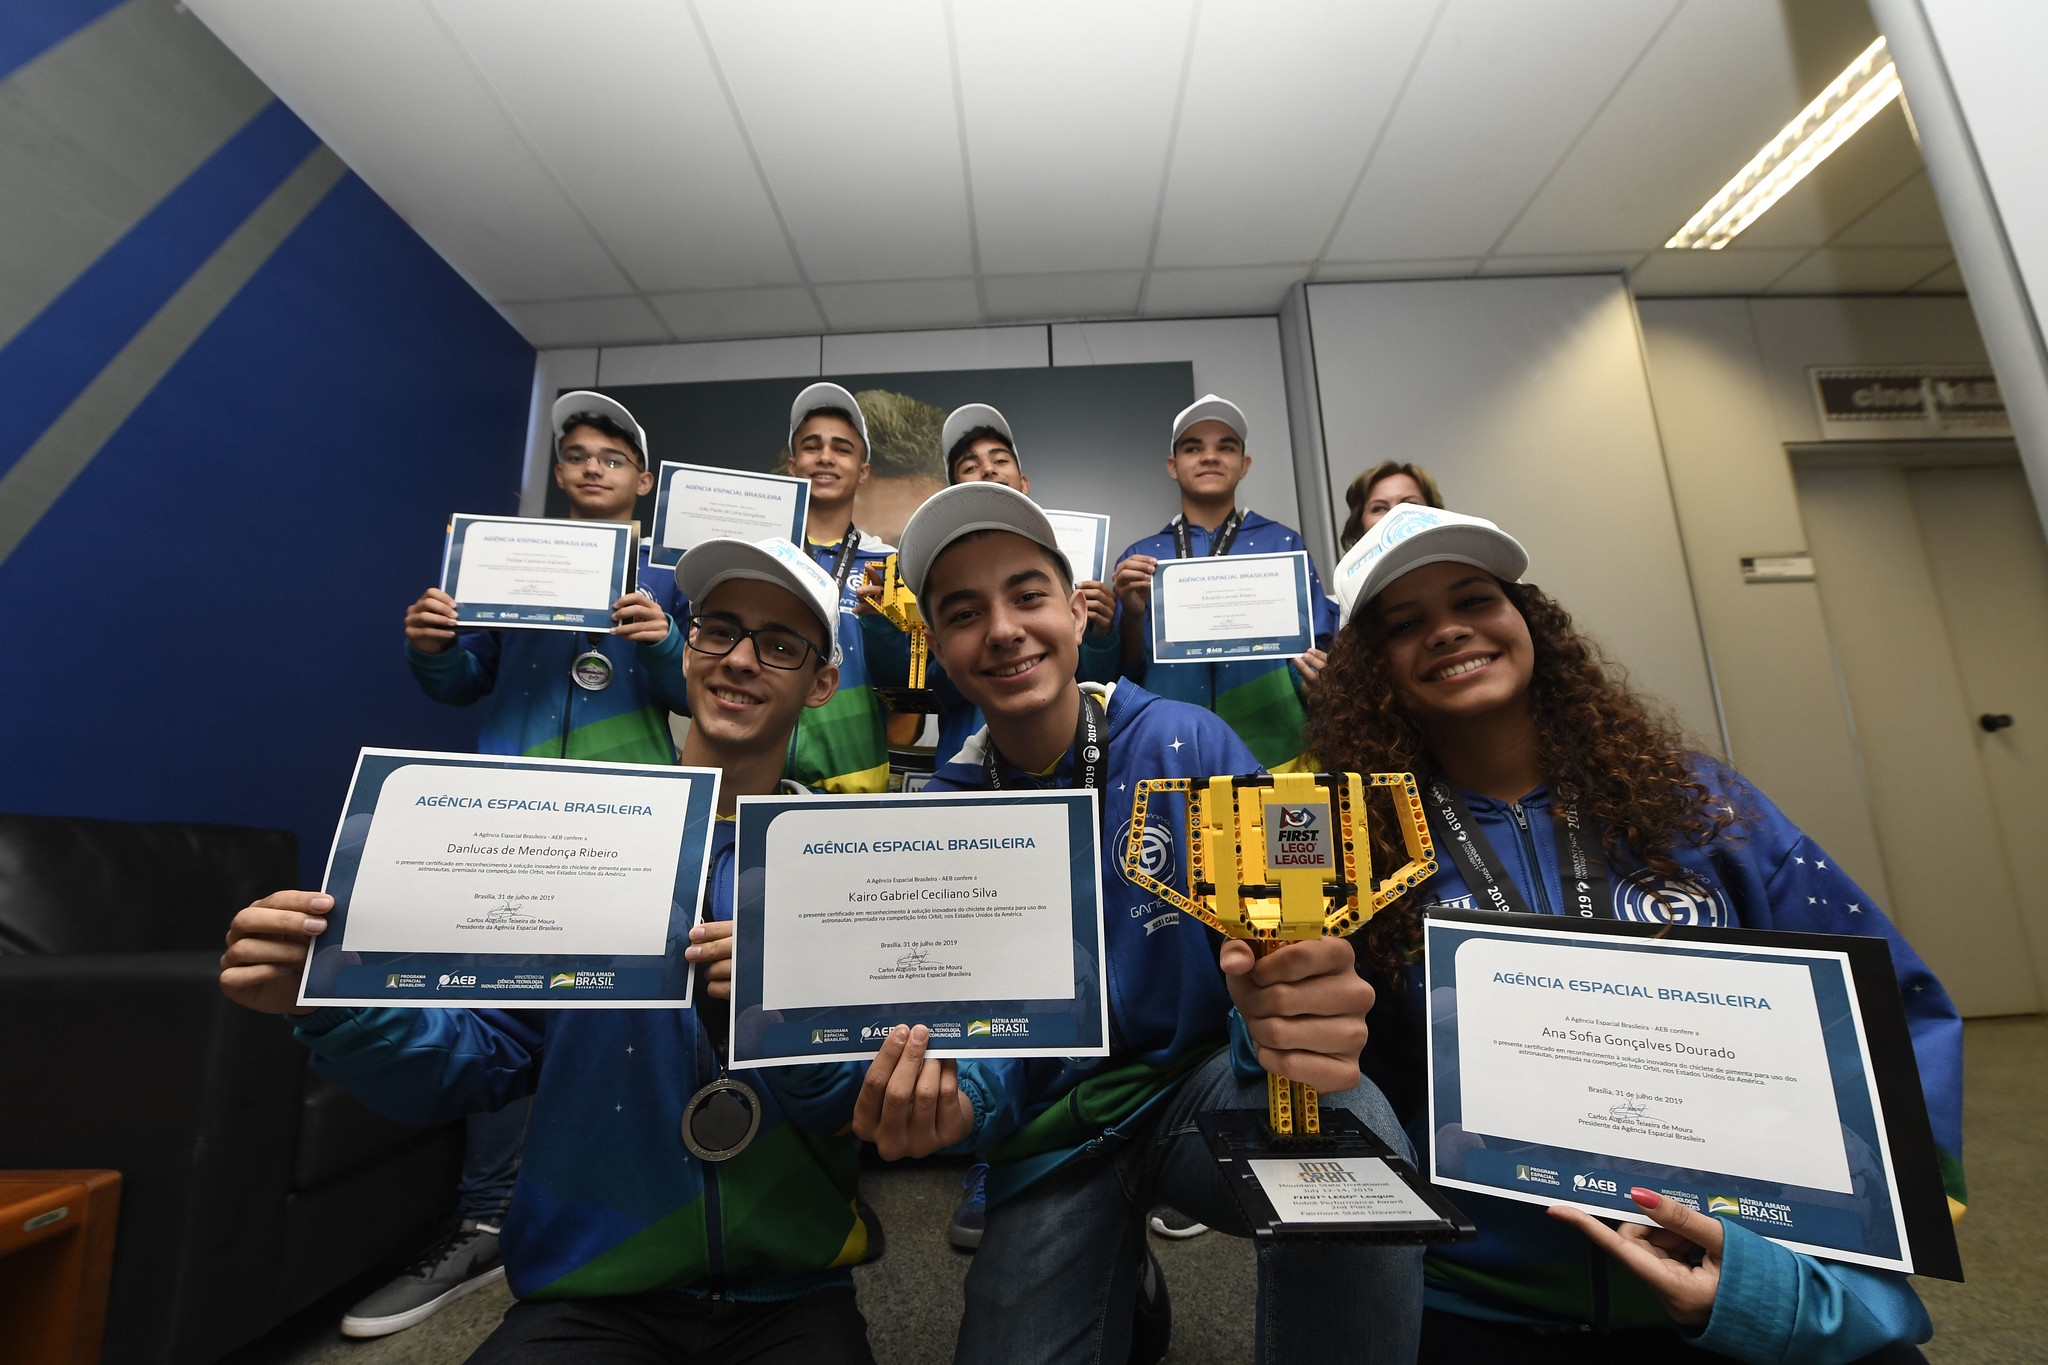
739,312
897,304
1714,87
1497,98
381,84
974,348
1862,172
587,322
1434,268
1106,294
702,362
1221,291
1947,280
1862,270
1068,108
652,155
1589,263
1732,270
851,110
1283,103
1907,217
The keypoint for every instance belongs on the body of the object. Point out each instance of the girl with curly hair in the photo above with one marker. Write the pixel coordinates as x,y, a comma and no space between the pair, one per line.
1449,667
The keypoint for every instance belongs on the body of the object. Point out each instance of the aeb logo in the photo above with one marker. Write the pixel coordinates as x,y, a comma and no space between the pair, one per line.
448,979
874,1033
1598,1184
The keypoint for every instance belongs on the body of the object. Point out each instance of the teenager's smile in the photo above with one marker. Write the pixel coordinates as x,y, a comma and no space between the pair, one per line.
1462,667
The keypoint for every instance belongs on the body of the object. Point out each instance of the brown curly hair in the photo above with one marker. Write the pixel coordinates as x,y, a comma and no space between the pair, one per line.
1605,748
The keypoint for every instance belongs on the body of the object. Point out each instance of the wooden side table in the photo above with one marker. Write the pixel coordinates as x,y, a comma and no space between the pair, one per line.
56,1257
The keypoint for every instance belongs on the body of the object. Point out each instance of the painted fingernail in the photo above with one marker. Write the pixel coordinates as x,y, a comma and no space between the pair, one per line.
1649,1199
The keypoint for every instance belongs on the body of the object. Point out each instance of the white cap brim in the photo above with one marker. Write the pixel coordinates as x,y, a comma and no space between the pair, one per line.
962,510
828,396
962,420
1210,408
1411,536
583,400
711,562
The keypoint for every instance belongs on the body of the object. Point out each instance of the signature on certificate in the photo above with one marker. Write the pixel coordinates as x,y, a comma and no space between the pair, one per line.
912,960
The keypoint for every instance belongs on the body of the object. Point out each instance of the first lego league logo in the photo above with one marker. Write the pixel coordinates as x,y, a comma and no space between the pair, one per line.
1298,837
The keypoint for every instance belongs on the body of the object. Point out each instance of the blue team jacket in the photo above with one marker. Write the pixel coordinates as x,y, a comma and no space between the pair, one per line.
1773,1304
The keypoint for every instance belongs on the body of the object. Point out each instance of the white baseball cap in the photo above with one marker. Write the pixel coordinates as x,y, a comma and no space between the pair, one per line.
1210,408
960,510
962,420
583,400
826,396
709,563
1411,536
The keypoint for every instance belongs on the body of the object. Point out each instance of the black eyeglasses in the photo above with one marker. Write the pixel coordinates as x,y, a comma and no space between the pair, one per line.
775,648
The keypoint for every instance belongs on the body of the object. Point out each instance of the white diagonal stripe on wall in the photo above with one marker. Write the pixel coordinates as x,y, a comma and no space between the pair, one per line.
63,451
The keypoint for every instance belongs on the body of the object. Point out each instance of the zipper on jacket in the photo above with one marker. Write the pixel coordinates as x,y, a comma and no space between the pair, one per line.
714,1236
1527,839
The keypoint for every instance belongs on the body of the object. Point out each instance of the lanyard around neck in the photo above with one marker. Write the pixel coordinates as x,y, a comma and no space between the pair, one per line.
1219,544
843,565
1091,749
1581,864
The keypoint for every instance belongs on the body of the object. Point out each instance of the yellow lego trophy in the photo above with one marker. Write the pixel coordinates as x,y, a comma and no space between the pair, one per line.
898,606
1275,860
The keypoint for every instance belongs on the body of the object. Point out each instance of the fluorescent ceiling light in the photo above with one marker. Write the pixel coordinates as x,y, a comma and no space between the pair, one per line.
1849,102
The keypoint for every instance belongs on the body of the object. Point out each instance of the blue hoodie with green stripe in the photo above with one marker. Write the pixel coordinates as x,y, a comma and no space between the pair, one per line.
608,1199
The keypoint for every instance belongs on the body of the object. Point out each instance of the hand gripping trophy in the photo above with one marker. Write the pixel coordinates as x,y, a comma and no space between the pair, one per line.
1275,860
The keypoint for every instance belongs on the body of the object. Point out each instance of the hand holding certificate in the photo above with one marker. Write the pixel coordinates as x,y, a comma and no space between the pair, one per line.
695,503
476,880
977,915
534,574
1232,607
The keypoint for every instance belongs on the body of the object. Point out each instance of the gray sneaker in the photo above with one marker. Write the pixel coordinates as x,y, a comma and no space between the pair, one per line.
462,1262
1169,1222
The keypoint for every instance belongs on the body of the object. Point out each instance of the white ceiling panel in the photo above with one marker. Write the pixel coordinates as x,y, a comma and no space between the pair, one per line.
1105,294
1862,270
1040,87
1496,101
851,110
671,191
1236,290
1714,87
370,77
1907,217
1589,263
890,305
1732,270
1283,102
739,312
1430,268
587,322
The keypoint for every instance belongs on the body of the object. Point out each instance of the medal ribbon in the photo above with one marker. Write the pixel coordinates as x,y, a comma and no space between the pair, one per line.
1091,749
1581,863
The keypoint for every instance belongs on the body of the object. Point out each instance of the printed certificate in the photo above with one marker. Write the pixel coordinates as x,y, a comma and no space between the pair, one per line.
529,883
1232,607
1734,1071
976,914
537,574
1084,540
694,503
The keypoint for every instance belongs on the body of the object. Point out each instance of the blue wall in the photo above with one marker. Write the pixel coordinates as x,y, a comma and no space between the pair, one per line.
209,617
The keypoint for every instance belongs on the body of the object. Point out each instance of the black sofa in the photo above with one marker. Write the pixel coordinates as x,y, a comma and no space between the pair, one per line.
250,1186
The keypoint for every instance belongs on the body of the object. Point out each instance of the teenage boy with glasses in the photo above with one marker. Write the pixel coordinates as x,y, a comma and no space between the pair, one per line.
621,1245
1080,1149
533,707
1260,700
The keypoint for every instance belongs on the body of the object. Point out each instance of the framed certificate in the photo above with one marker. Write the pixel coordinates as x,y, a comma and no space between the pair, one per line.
976,914
533,574
1232,607
512,883
1084,540
1765,1076
695,502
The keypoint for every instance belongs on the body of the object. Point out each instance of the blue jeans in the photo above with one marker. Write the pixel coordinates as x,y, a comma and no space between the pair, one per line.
490,1162
1056,1276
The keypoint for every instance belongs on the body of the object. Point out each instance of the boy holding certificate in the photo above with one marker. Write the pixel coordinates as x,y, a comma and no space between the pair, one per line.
626,1239
841,746
1260,699
1080,1150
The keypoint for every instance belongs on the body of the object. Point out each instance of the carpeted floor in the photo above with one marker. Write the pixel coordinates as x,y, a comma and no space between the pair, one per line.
912,1295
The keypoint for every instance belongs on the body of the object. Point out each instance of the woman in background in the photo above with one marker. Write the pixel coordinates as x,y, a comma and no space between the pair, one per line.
1447,666
1380,490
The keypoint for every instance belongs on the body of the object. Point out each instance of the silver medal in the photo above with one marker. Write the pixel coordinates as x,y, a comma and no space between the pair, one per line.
591,671
721,1119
